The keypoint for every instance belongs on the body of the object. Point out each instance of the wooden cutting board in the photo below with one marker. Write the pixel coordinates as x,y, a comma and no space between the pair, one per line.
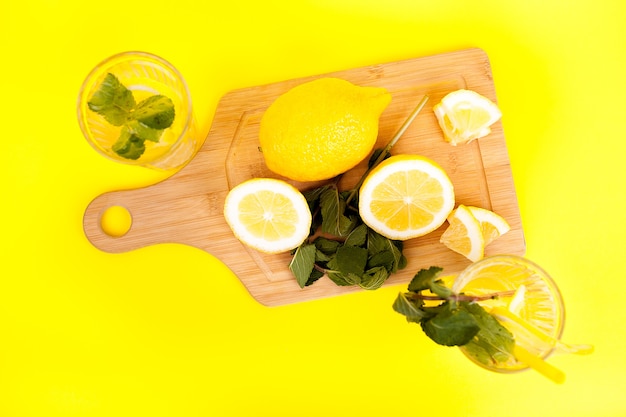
187,207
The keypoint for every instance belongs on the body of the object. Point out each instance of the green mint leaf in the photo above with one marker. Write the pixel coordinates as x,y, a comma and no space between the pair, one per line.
401,264
339,279
334,220
313,200
128,145
376,242
423,278
335,275
156,112
315,275
385,259
302,263
374,278
352,279
321,256
453,326
411,309
494,343
313,196
327,246
399,260
357,237
112,100
146,133
439,289
351,260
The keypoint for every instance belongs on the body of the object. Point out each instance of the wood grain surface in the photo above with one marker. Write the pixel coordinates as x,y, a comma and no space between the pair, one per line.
187,207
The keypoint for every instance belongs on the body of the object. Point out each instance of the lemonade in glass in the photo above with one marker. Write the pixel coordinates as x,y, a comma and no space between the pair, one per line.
529,304
504,312
135,108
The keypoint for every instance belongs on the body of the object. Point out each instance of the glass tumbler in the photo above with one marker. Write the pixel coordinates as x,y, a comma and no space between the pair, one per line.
145,75
528,292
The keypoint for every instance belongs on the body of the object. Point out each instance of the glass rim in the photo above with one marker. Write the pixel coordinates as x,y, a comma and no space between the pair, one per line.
554,289
112,61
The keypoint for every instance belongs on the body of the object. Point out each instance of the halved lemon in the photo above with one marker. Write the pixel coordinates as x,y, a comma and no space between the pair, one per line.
464,234
465,115
268,215
406,196
492,225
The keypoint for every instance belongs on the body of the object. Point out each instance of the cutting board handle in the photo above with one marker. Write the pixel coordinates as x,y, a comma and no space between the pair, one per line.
159,214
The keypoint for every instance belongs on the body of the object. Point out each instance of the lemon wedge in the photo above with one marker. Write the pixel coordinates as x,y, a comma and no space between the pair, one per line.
492,225
464,235
465,115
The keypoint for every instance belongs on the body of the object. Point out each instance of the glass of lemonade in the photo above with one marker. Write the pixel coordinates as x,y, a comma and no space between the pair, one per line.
146,142
527,294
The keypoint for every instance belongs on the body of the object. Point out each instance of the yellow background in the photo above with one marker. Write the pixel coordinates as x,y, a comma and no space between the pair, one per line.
169,331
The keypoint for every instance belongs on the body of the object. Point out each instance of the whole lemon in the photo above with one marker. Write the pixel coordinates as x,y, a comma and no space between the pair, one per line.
322,128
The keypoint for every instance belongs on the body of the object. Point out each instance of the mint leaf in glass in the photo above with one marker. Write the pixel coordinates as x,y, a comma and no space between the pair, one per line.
112,100
129,145
141,122
494,343
156,112
147,133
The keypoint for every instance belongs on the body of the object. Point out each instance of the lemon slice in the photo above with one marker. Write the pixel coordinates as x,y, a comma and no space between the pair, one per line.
268,215
406,196
492,225
465,115
464,235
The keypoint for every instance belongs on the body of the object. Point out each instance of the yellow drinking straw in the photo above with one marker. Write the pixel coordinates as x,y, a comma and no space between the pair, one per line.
578,349
536,362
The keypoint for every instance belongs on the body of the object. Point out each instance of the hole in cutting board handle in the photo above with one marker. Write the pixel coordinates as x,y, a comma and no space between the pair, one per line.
116,221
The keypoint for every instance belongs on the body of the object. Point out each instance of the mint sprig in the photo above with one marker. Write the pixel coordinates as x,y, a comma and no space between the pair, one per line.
141,121
341,246
451,319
